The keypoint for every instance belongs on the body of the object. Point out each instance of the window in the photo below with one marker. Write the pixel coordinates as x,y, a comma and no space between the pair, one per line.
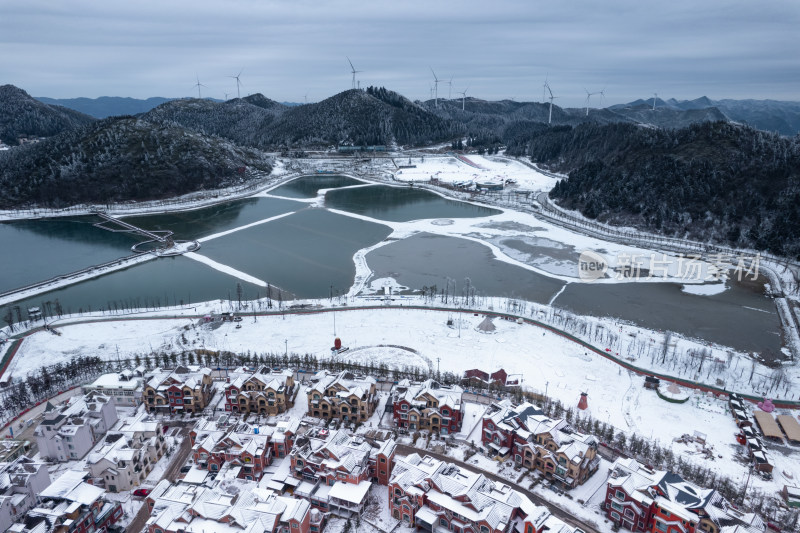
443,522
383,459
484,529
620,495
661,526
404,407
616,506
294,526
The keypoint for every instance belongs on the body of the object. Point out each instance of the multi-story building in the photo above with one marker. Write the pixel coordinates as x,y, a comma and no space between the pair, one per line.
179,507
432,495
338,469
536,441
21,481
69,432
69,504
264,392
249,449
127,454
125,387
641,499
178,391
342,396
428,406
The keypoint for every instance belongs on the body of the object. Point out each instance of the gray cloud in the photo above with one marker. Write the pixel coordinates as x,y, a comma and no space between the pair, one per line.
501,49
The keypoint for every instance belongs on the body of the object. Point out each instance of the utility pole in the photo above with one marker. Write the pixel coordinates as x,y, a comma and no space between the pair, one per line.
286,345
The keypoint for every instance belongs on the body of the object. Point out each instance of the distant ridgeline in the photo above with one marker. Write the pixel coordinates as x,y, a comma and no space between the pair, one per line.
715,181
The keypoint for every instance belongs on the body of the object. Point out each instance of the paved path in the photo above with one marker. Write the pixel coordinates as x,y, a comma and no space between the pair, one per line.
566,516
171,473
35,413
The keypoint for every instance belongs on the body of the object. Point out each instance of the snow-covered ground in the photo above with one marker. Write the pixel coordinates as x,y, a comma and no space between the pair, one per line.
404,337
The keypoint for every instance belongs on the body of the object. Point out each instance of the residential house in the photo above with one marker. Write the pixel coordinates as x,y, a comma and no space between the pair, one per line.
69,432
180,507
247,448
21,481
429,406
125,387
327,462
264,392
642,499
536,441
185,389
433,495
69,504
127,454
342,396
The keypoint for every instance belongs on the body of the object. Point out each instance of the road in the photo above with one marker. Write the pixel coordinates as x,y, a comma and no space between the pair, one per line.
402,449
35,413
171,473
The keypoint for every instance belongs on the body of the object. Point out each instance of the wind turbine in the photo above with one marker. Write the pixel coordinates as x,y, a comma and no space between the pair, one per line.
226,96
450,90
238,83
436,85
463,97
354,71
198,85
547,86
305,97
655,97
544,88
589,96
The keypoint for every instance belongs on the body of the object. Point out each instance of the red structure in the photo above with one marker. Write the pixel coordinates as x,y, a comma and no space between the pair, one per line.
583,403
337,343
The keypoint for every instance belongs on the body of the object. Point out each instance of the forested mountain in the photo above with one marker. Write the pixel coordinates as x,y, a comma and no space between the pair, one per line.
245,121
668,117
767,115
362,118
121,158
717,181
24,116
106,106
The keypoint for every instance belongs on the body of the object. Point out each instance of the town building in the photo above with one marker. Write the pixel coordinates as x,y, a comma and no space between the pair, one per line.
342,396
433,495
428,406
125,387
69,432
70,504
249,449
536,441
21,481
185,389
639,498
337,469
181,507
127,453
264,392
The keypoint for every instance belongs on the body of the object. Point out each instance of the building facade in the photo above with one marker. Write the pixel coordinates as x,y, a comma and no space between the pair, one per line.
69,432
263,392
428,406
536,441
185,389
642,499
342,396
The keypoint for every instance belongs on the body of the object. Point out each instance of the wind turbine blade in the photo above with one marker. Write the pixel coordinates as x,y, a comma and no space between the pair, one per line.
351,64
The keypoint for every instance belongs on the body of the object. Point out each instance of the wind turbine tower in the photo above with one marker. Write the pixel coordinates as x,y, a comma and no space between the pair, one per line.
547,86
198,85
589,96
655,97
450,89
463,97
238,83
436,87
353,71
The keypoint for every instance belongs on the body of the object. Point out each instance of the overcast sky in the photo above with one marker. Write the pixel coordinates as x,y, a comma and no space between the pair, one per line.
497,49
